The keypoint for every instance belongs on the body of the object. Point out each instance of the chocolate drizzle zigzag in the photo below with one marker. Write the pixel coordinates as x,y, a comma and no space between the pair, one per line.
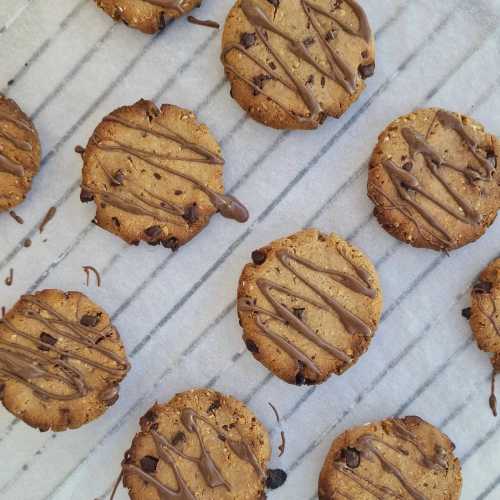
8,165
206,465
46,361
338,69
353,324
371,448
408,185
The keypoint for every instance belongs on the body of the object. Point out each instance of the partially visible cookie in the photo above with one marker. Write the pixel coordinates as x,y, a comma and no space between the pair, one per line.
155,175
309,305
434,179
20,154
148,16
292,63
484,317
201,444
395,458
61,360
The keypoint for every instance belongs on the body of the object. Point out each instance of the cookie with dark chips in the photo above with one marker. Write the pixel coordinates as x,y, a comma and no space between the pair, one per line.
201,444
396,458
20,154
292,63
155,175
309,305
148,16
434,179
61,360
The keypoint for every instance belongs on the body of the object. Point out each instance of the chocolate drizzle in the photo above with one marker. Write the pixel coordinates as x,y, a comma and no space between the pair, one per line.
211,473
371,448
46,362
132,199
8,165
337,70
410,189
282,314
168,4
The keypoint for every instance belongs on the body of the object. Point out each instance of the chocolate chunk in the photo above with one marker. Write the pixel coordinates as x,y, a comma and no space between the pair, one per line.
153,232
407,166
248,39
89,320
482,287
352,457
86,195
149,463
172,243
150,416
299,312
274,3
259,82
118,178
366,70
258,257
272,65
330,35
466,313
251,346
275,478
191,214
179,438
177,192
214,406
47,339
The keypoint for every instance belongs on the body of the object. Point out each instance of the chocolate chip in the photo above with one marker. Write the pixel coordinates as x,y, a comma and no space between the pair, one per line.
157,175
248,39
149,463
300,379
259,82
153,232
177,192
47,339
308,41
299,312
310,80
482,287
275,478
115,222
352,457
272,65
89,320
86,195
117,178
330,35
274,3
251,346
258,257
179,438
10,82
408,166
190,214
172,243
366,70
214,406
323,81
466,313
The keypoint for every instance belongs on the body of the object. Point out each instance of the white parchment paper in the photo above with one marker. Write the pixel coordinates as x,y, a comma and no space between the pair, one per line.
70,65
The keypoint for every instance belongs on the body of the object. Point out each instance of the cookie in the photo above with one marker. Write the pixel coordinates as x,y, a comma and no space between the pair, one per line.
292,63
61,360
309,305
149,16
155,175
20,154
201,444
434,179
396,458
484,318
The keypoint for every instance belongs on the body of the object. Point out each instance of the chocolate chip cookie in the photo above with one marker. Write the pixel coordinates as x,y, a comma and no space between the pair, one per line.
309,305
396,458
61,360
201,444
484,317
20,154
155,175
434,179
292,63
148,16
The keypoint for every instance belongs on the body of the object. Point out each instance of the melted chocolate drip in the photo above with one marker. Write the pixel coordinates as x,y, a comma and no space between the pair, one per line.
27,365
339,71
352,323
213,476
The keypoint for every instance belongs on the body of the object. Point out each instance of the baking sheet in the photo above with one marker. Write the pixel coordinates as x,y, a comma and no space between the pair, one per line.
71,65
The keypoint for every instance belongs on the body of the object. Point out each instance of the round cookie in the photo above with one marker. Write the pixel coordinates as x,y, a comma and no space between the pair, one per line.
61,360
309,305
292,63
396,458
201,444
155,175
434,179
149,16
485,317
20,154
